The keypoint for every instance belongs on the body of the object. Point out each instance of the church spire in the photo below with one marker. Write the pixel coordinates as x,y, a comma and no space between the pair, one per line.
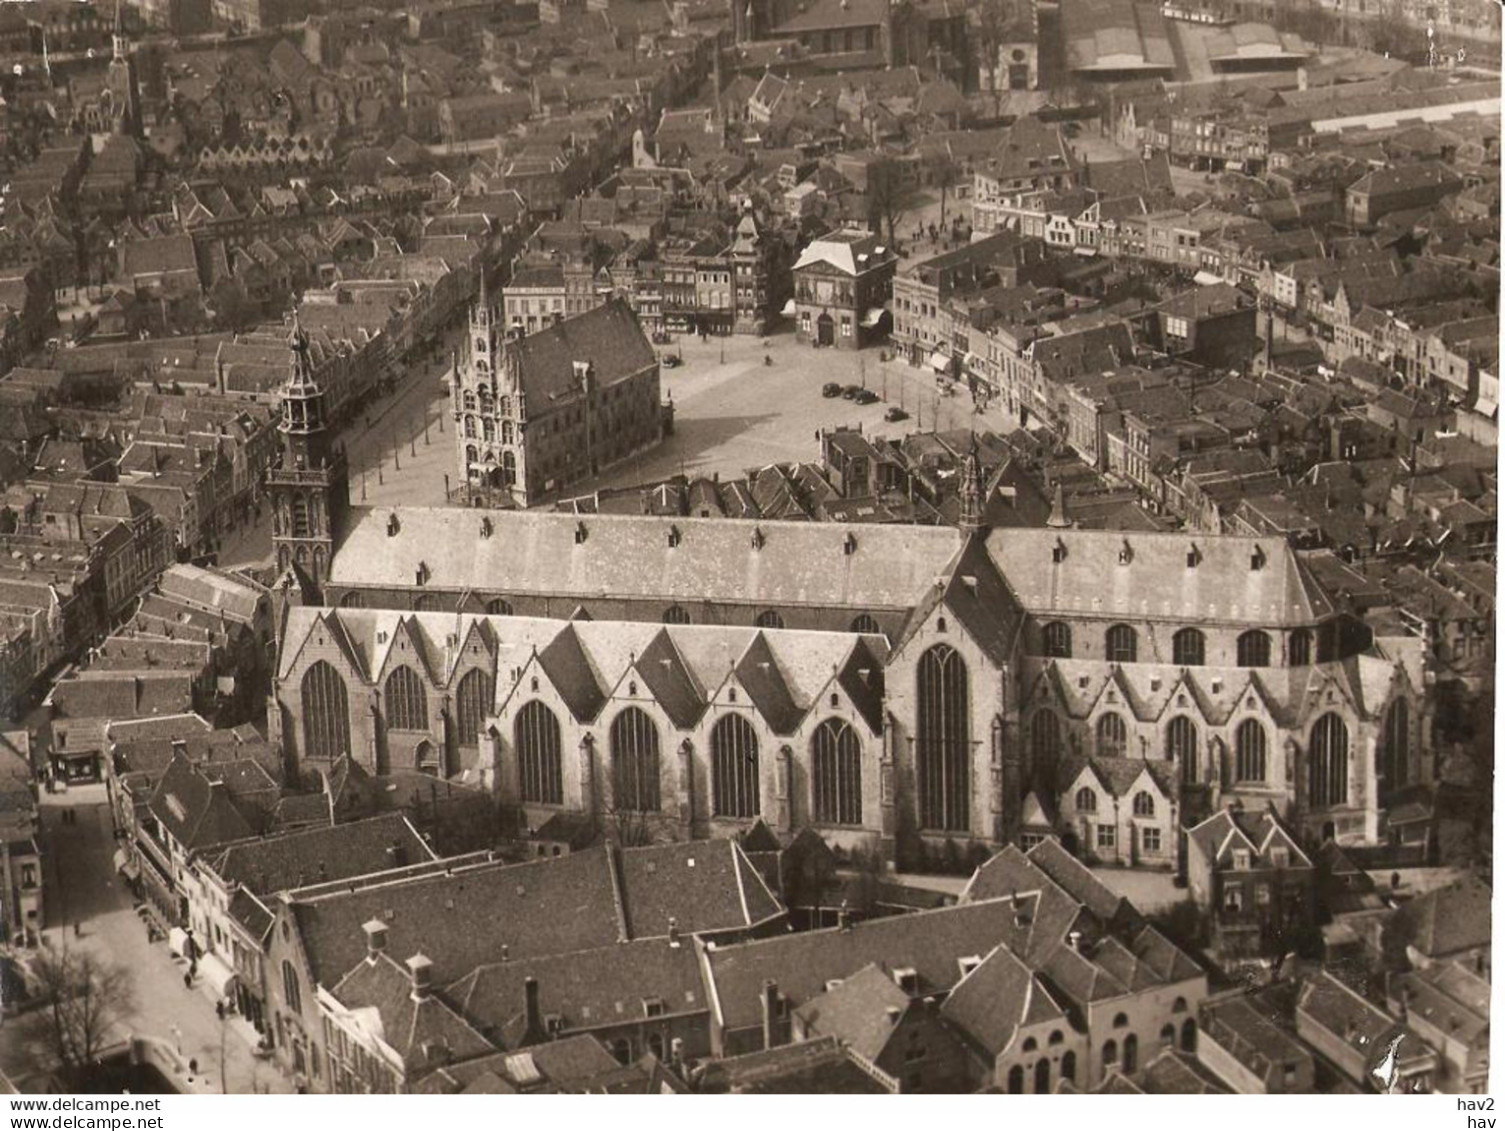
971,489
117,37
302,400
1059,519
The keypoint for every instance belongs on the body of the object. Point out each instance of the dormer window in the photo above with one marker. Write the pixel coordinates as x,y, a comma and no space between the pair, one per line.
849,544
1240,859
674,536
1257,558
486,527
1125,553
1193,557
757,539
581,533
1058,552
1280,857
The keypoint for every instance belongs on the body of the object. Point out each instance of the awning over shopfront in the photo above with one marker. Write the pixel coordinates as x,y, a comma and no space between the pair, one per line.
1084,251
126,864
940,361
219,979
788,311
1206,279
178,941
873,316
1486,407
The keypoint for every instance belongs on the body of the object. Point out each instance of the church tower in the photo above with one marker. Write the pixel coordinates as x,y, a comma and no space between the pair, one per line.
123,97
310,489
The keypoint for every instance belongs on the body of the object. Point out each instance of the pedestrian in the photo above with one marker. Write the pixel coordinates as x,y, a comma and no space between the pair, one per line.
187,981
219,1010
78,929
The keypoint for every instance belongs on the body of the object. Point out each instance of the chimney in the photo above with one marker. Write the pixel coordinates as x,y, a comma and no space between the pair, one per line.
376,938
396,856
770,1013
673,931
420,973
1075,939
532,1018
894,1013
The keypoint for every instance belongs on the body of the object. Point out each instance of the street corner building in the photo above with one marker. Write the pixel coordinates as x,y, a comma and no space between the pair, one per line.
534,414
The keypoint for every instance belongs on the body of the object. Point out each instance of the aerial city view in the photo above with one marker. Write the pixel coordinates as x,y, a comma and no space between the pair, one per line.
747,546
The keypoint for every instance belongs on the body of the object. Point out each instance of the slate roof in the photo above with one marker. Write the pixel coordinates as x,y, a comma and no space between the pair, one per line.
608,337
462,917
1449,920
572,1064
1156,580
797,564
585,989
194,810
425,1030
1247,1034
996,999
855,1012
1257,831
787,672
801,964
704,885
291,860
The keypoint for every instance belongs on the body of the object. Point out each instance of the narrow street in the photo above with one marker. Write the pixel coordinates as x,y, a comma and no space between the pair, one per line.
82,888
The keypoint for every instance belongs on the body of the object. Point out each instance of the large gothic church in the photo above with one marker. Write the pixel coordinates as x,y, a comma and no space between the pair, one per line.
889,686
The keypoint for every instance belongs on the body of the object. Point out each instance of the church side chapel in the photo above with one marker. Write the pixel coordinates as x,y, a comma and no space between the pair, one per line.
925,693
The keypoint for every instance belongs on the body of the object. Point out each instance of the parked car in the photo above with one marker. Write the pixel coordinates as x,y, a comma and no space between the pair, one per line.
866,396
831,389
895,414
672,361
851,391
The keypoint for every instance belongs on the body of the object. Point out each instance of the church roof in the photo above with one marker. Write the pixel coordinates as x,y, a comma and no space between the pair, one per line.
773,564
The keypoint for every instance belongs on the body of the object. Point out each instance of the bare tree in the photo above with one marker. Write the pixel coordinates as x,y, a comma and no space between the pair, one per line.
629,828
85,997
945,172
889,197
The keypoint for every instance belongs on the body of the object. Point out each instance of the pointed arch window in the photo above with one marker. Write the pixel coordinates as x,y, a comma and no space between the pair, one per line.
634,762
1045,735
406,703
943,754
1328,762
1144,804
867,625
1250,747
326,713
676,614
1181,746
1086,800
472,704
770,618
536,736
734,768
1395,750
836,773
1112,736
